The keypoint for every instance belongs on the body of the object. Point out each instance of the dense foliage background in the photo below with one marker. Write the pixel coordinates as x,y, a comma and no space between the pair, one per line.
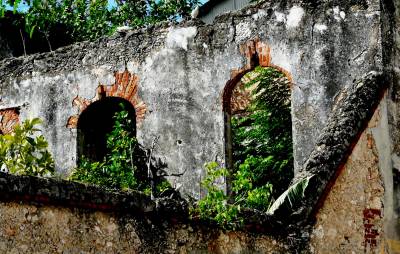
262,155
262,137
78,20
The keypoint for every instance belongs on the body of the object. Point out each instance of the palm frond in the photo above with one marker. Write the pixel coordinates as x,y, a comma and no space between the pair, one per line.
294,193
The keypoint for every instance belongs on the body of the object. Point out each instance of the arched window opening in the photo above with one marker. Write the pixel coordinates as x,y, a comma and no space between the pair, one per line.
258,136
96,122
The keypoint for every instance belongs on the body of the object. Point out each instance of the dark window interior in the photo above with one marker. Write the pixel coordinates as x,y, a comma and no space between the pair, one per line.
96,122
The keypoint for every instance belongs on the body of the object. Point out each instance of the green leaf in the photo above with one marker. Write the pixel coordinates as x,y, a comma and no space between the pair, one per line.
293,194
31,30
15,7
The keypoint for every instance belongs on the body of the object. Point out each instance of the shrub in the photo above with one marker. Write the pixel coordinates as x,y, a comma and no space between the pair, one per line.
117,170
23,152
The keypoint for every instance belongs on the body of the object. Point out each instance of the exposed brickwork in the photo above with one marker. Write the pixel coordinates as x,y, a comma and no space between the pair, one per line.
351,217
125,86
241,98
8,119
257,53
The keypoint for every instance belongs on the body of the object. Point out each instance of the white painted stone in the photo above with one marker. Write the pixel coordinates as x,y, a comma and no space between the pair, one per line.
296,13
243,31
336,10
320,27
280,17
179,37
261,13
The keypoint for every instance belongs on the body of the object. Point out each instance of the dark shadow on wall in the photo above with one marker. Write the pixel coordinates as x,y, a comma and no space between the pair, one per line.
96,122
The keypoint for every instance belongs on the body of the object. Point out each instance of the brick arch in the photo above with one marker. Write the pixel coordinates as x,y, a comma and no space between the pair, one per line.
257,53
125,87
8,119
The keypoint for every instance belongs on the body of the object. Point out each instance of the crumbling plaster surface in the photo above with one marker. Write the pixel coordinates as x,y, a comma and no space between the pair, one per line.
353,213
391,30
182,72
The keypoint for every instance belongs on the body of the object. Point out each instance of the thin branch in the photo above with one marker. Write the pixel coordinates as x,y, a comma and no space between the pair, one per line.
48,41
23,41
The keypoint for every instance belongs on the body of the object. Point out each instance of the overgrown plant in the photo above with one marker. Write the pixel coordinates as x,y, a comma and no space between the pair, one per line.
223,209
117,170
215,204
262,137
262,155
126,165
24,152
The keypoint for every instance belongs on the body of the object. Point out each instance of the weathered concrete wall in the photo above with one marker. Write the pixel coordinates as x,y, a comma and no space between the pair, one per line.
392,192
40,215
47,229
181,73
351,219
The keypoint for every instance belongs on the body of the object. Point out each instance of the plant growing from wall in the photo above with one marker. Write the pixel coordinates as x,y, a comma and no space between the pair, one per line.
118,168
262,137
215,204
24,152
126,165
262,155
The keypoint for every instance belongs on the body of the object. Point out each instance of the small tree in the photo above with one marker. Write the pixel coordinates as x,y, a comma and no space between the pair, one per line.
23,152
89,20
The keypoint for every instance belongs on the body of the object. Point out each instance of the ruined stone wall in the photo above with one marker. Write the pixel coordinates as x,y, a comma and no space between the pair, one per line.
40,215
351,219
181,73
47,229
392,191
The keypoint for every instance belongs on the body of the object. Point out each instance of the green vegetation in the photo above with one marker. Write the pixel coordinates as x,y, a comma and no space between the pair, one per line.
262,137
215,204
262,154
123,167
89,20
23,152
118,168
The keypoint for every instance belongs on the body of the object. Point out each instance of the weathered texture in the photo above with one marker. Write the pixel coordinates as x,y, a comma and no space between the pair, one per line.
66,193
67,217
125,86
347,121
391,29
178,79
339,135
351,217
182,72
38,229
